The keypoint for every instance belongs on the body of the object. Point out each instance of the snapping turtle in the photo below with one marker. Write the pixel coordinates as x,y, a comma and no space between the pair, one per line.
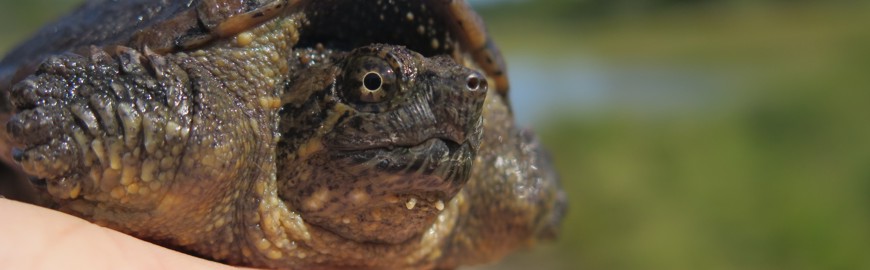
284,134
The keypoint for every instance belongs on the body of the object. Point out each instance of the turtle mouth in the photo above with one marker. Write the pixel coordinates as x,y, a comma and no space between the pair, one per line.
452,145
451,141
436,156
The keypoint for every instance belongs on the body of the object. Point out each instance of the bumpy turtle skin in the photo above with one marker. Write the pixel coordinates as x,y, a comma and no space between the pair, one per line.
168,148
184,149
161,25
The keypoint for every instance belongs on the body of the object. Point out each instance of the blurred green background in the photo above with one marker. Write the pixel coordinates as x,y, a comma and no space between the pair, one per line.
718,134
698,134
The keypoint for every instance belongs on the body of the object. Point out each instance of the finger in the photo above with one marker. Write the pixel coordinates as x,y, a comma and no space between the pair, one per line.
32,237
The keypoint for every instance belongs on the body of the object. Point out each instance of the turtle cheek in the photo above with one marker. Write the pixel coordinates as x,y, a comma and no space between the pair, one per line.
378,195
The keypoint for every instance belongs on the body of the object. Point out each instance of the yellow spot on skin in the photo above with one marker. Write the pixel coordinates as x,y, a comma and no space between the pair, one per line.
209,161
172,129
333,117
263,244
359,196
115,150
176,150
270,102
411,203
166,163
82,140
260,187
99,150
118,192
133,188
150,140
409,16
270,223
169,204
128,175
439,205
435,43
75,191
274,254
290,28
310,147
244,39
316,201
220,222
149,167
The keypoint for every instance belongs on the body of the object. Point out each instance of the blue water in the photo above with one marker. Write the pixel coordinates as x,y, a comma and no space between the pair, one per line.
544,88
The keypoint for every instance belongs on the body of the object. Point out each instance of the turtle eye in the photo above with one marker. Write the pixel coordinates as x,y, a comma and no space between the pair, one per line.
369,80
371,87
372,81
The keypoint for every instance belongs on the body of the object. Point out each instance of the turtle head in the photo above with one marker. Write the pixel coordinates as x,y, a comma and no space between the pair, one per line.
378,140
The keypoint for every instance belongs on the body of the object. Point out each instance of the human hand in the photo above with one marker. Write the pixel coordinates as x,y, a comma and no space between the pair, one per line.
33,237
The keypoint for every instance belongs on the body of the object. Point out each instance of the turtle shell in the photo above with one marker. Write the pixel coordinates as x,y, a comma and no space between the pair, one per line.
430,27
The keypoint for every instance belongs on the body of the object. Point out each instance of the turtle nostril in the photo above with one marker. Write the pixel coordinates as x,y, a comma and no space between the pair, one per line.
475,82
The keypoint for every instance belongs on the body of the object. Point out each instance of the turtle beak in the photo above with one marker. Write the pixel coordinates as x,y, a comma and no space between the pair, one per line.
458,112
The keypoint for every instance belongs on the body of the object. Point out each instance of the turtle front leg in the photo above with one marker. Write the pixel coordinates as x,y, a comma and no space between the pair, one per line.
102,129
160,147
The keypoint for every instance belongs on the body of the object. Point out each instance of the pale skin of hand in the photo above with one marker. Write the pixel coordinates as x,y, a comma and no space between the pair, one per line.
33,237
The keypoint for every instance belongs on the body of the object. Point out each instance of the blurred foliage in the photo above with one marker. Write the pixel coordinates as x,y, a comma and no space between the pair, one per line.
19,19
774,173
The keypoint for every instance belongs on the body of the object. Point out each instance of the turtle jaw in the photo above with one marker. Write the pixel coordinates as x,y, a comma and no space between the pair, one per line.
389,188
387,194
435,166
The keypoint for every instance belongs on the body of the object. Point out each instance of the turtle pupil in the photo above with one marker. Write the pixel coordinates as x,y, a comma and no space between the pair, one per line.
372,81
